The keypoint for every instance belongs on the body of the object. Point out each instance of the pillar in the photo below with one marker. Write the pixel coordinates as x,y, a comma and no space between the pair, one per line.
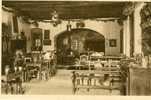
126,35
137,29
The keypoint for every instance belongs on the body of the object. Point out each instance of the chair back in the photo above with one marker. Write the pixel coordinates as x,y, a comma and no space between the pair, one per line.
27,59
83,59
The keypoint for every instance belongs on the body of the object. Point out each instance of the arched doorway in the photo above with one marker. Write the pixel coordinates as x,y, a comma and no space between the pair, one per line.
78,41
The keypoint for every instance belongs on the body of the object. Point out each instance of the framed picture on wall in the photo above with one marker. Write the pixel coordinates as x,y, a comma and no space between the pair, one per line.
46,34
112,42
47,42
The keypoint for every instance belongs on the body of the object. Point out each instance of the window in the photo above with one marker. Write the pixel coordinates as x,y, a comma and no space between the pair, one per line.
37,42
75,44
65,41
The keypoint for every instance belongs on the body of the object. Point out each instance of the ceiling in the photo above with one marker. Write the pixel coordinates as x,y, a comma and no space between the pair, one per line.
67,9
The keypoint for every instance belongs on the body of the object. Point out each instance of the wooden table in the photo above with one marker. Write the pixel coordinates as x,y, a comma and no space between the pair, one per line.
107,57
78,66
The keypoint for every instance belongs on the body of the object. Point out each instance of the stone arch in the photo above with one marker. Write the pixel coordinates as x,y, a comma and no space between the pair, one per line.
89,29
87,40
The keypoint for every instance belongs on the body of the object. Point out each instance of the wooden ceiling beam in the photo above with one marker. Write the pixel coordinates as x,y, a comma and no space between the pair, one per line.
28,7
71,10
74,16
83,3
60,4
79,12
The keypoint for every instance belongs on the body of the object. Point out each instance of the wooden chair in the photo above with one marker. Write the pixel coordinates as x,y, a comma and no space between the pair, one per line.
83,58
45,70
84,61
27,59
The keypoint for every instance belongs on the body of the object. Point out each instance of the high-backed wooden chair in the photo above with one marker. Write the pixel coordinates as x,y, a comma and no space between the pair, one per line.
27,60
84,61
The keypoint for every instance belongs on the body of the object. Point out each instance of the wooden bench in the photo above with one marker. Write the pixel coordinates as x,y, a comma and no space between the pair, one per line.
95,79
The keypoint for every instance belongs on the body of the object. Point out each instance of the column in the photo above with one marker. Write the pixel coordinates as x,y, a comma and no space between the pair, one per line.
137,29
126,39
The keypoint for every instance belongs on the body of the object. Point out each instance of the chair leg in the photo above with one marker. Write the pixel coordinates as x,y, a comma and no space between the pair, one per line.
7,87
12,89
74,90
94,82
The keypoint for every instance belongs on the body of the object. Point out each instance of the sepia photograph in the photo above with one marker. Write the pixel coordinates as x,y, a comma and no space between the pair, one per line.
90,48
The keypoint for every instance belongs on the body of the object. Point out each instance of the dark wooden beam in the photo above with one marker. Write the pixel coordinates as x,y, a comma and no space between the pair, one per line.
67,9
83,3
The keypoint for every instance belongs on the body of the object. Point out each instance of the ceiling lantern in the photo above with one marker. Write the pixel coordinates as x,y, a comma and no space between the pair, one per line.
55,18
